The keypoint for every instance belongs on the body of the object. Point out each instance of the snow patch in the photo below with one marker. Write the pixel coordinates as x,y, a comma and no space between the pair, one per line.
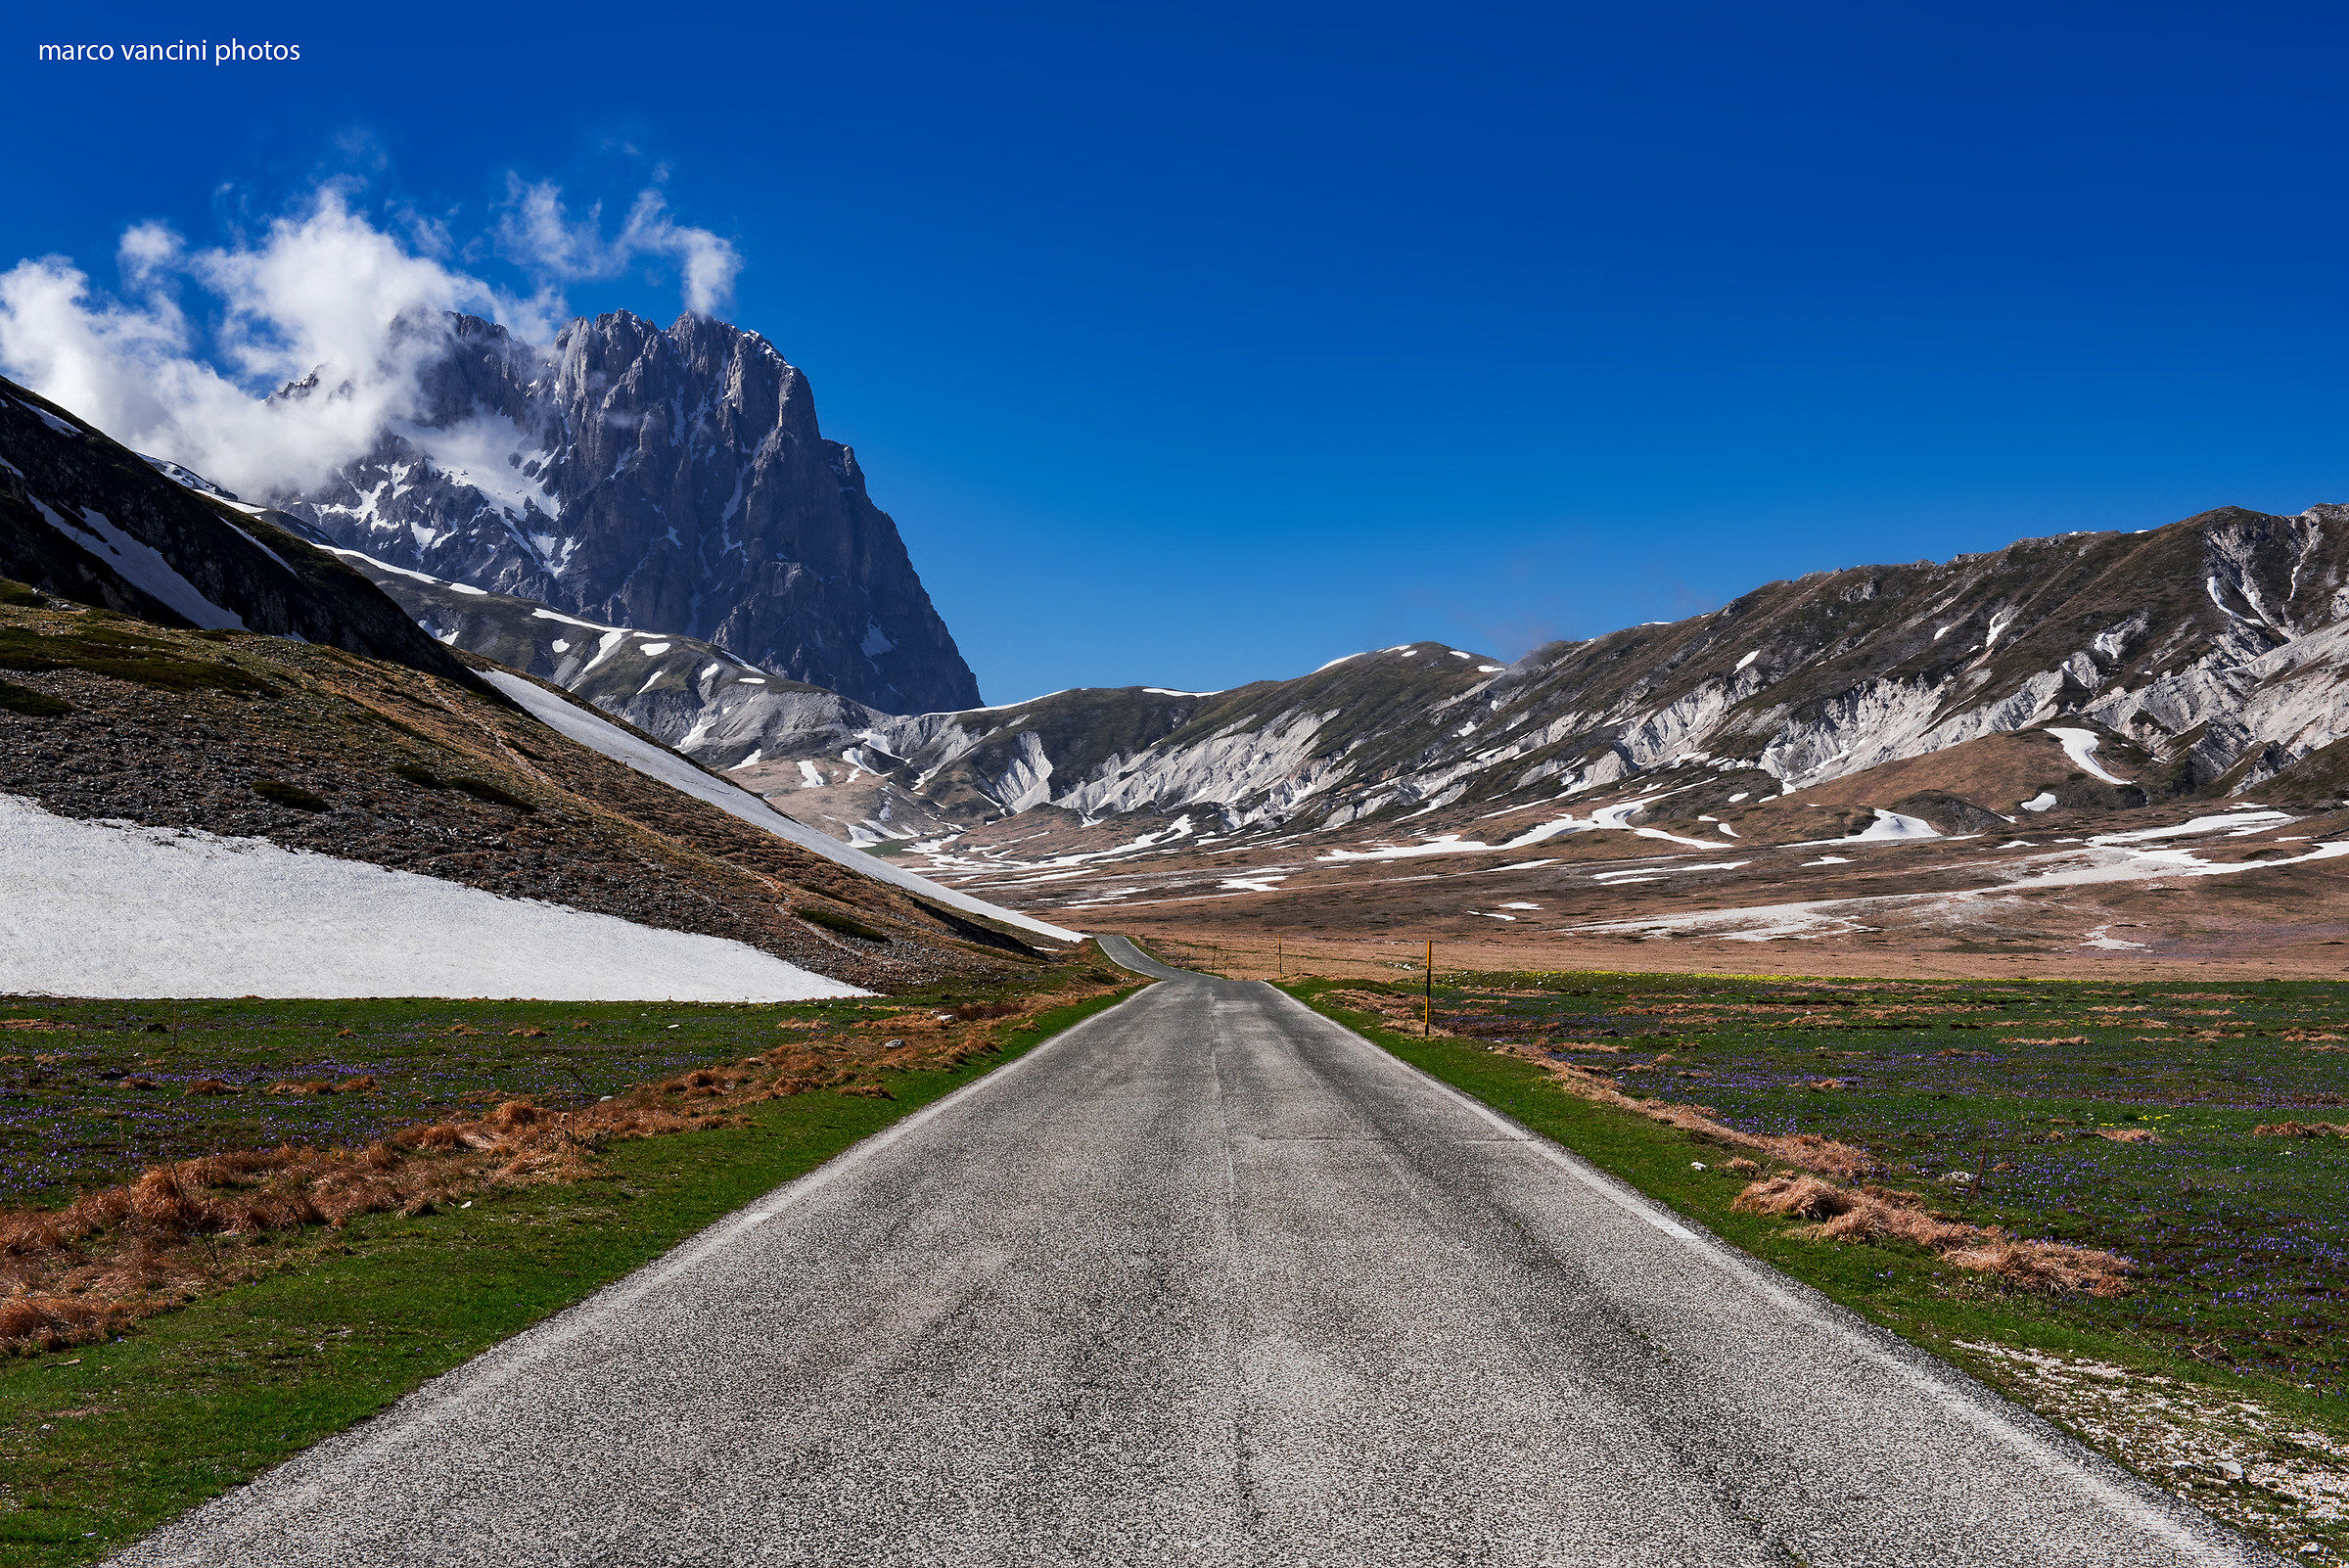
600,735
113,909
141,566
2080,745
47,418
1889,826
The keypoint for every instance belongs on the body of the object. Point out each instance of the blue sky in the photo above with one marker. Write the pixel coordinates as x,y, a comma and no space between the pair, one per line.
1191,345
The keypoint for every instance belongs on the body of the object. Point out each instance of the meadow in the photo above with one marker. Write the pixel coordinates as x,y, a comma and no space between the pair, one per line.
2191,1133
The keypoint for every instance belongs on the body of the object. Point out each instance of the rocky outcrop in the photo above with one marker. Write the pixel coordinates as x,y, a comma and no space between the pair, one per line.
665,480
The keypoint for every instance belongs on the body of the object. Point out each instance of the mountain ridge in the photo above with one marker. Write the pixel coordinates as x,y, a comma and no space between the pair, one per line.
83,517
2210,649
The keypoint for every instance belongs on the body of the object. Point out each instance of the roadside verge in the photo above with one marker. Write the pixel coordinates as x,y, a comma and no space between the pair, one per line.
2259,1453
100,1442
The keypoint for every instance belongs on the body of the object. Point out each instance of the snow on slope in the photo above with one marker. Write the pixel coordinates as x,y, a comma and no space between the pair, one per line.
1607,818
140,565
110,909
602,735
2080,745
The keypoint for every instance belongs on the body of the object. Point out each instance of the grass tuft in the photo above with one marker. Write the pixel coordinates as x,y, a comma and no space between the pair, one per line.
16,699
280,793
817,914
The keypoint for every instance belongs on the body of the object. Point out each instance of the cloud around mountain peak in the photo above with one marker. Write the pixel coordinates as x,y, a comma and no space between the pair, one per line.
182,359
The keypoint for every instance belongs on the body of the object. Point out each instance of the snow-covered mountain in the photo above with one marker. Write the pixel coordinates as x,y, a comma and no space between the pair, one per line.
2206,656
666,480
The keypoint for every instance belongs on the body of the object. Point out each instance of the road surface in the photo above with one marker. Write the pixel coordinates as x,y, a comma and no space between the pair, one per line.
1206,1279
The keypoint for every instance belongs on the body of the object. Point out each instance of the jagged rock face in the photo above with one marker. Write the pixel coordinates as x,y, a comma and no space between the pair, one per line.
663,479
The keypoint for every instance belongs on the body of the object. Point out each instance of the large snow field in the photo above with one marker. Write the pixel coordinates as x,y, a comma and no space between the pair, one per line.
113,909
2102,863
602,735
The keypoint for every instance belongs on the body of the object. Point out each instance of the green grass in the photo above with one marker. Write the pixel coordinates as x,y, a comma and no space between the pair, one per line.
833,920
292,794
16,699
480,789
71,1116
101,1443
2239,1240
124,654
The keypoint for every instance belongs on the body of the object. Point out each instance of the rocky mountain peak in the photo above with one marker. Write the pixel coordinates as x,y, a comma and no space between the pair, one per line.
668,479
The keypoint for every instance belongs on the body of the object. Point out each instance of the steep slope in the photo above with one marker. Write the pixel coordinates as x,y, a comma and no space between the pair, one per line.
671,481
311,748
150,727
91,521
668,685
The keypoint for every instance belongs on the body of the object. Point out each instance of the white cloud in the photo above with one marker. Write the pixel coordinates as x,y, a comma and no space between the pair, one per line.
539,231
323,290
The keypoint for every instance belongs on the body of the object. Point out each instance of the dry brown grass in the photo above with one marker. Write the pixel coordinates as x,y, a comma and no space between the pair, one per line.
79,1274
2301,1130
1838,1213
1877,1215
2125,1135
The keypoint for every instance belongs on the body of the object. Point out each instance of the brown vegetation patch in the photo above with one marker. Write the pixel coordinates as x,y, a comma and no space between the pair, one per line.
80,1273
1876,1216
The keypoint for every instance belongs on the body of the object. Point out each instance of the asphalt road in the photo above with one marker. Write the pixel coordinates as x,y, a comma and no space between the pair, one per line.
1206,1279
